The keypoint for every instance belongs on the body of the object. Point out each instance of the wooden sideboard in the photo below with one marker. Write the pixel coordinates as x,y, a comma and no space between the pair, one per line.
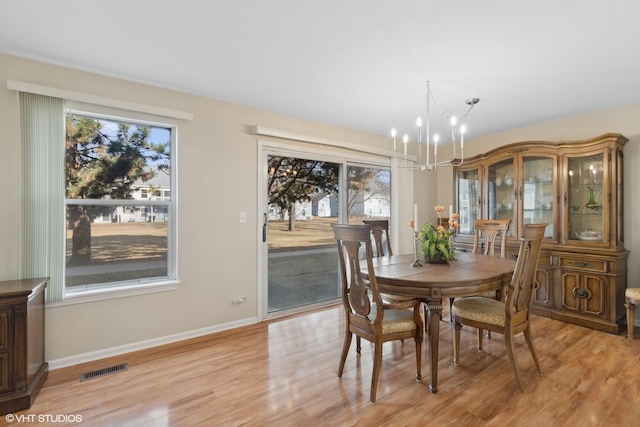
22,365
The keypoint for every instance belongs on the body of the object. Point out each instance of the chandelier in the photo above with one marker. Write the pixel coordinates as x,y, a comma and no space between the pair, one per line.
424,149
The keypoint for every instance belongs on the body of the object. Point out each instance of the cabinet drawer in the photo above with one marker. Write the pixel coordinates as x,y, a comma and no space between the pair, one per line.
582,264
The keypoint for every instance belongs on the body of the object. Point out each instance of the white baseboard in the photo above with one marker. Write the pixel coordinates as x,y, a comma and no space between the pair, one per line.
142,345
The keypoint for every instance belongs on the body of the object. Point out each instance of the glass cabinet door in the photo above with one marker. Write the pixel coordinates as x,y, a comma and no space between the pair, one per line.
468,183
538,194
585,198
501,192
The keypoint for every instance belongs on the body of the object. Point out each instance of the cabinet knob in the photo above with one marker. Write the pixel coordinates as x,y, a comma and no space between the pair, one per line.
583,264
581,293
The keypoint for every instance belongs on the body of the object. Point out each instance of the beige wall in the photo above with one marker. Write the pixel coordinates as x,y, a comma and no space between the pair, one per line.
218,169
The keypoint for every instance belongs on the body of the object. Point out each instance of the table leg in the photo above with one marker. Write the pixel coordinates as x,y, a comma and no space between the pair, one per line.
434,316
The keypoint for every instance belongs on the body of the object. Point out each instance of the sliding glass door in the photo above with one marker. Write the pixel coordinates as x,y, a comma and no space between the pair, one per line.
304,195
303,202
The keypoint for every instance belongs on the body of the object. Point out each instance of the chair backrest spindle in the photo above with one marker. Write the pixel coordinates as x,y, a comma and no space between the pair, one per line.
380,233
487,232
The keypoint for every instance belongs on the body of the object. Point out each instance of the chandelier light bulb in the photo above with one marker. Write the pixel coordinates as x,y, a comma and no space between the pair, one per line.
394,132
419,121
453,120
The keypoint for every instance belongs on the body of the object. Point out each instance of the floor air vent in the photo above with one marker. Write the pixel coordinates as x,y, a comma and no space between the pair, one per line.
104,371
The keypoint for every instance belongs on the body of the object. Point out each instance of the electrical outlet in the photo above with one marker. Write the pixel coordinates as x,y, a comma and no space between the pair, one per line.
240,300
243,217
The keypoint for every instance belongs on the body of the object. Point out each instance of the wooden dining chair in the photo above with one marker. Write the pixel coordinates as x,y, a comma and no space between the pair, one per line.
366,315
512,316
488,231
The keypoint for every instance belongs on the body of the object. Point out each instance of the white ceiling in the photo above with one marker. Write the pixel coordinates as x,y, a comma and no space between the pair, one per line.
361,64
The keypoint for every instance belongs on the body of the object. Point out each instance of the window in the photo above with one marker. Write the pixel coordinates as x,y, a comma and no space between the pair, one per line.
369,193
118,205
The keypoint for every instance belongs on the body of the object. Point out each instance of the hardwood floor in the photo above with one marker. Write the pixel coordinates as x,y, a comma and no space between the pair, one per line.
283,373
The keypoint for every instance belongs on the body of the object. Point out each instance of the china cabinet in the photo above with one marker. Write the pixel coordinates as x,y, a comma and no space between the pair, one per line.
575,187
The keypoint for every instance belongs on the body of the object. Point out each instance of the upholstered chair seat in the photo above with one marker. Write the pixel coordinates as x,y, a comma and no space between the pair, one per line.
480,309
394,320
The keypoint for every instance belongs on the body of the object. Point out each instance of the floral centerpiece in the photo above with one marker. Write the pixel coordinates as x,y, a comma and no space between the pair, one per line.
437,241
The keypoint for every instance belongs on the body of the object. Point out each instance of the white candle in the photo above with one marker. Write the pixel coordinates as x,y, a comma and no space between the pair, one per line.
405,139
450,212
415,218
453,128
393,135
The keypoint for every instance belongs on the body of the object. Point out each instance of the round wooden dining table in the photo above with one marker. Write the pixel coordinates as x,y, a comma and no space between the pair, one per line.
469,274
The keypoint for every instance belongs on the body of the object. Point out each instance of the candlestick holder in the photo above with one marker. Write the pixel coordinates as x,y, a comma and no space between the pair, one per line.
416,262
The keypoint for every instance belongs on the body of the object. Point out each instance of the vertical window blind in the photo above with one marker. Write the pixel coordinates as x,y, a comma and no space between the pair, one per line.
42,163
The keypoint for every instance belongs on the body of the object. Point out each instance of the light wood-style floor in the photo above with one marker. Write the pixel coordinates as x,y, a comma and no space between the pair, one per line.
283,373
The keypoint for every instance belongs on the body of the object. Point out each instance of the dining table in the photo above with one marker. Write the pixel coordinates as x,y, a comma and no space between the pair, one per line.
468,274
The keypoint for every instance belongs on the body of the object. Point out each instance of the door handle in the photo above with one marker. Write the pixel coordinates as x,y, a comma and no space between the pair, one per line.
264,229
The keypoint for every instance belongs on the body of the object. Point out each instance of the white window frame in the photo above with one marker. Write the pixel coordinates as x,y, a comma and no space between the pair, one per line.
140,286
44,171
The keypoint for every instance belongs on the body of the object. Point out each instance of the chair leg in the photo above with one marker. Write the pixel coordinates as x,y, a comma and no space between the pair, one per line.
451,300
532,349
345,350
358,344
456,343
480,332
426,321
511,352
418,341
631,309
377,363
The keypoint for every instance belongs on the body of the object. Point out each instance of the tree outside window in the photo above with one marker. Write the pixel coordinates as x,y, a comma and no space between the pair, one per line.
118,182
